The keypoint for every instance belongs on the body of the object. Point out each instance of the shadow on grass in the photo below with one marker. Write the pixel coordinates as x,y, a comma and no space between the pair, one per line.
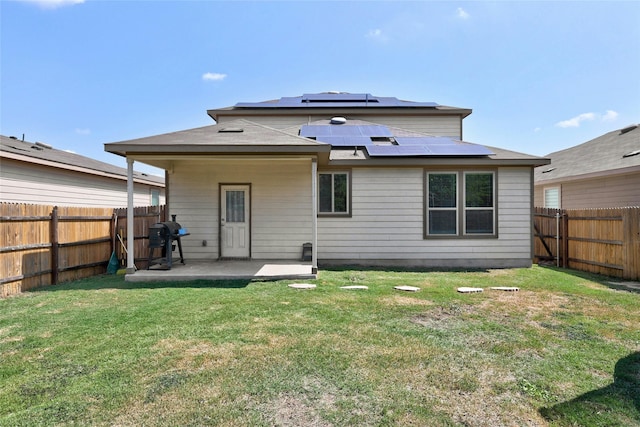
110,281
396,269
609,281
616,404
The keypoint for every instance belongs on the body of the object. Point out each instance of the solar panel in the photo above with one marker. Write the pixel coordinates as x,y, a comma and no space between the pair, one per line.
437,150
424,140
396,150
333,100
345,130
345,141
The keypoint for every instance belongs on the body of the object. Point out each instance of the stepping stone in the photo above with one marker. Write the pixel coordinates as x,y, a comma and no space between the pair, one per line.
302,286
505,288
355,287
466,290
406,288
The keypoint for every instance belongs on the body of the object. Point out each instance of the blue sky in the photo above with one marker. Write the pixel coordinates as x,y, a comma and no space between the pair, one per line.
539,76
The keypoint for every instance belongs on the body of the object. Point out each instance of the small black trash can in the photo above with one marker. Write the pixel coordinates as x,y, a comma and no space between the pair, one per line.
307,251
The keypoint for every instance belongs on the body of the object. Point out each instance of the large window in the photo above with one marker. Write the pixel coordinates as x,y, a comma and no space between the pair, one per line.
460,204
333,191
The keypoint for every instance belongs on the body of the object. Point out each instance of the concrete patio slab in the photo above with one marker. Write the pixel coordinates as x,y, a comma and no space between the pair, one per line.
227,270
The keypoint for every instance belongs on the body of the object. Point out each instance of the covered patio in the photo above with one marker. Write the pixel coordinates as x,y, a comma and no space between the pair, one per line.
227,270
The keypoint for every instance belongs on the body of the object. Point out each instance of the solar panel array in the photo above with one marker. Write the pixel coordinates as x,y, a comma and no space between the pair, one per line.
363,135
333,100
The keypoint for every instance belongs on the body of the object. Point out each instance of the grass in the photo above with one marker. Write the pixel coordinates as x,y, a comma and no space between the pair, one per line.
563,351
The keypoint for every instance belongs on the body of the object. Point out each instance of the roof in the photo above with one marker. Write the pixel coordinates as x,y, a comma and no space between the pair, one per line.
44,154
615,152
238,136
248,138
339,102
384,141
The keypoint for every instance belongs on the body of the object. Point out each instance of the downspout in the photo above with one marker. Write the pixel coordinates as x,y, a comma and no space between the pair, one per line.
131,267
314,210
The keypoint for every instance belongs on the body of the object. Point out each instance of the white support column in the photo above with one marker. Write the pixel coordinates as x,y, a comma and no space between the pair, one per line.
131,266
314,210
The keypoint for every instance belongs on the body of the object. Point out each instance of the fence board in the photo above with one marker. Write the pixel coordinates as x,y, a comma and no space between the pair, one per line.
602,241
42,245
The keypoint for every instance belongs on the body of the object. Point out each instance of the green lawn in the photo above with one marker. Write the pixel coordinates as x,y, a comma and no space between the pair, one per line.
564,350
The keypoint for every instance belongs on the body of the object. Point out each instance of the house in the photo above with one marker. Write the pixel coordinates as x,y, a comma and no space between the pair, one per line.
366,180
601,173
37,173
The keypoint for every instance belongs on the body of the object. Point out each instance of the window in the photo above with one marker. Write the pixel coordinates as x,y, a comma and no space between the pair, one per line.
442,209
333,193
552,197
155,197
478,203
460,201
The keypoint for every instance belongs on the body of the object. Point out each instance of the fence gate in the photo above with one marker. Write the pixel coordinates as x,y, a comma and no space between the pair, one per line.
602,241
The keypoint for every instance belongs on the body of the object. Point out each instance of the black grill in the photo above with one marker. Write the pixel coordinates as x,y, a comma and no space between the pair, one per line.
163,236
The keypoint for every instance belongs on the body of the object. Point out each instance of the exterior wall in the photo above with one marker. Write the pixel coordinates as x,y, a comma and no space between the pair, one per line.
437,125
387,225
603,192
22,182
281,210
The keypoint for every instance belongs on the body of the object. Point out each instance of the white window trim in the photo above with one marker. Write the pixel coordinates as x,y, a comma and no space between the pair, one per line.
544,196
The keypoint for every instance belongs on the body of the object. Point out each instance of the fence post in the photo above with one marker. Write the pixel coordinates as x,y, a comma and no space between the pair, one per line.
565,239
54,246
631,243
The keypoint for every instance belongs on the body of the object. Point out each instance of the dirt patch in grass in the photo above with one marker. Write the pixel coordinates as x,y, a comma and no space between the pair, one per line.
403,300
199,355
443,317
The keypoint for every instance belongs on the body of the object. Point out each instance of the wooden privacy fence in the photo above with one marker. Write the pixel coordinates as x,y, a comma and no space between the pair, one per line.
45,245
602,241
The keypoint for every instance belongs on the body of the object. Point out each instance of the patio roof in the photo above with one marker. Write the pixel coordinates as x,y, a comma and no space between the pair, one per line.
238,136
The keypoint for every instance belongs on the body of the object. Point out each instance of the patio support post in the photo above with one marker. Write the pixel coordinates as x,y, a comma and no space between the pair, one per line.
314,210
131,267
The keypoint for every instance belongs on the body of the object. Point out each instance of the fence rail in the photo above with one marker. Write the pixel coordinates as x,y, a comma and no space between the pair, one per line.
603,241
45,245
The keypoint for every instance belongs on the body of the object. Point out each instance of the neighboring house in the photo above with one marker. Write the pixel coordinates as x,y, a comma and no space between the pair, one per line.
601,173
37,173
367,180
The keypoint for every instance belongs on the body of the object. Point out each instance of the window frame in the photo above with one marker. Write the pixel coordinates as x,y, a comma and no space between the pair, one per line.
441,209
334,214
466,208
544,196
461,206
153,194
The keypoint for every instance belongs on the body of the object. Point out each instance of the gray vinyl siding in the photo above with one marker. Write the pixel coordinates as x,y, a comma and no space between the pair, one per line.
22,182
387,224
436,125
605,192
612,191
281,211
439,125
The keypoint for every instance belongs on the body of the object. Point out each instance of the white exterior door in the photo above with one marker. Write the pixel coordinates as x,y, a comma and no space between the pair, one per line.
235,230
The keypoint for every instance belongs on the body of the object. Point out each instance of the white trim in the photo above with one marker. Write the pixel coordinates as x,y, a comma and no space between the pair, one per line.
314,215
544,196
131,266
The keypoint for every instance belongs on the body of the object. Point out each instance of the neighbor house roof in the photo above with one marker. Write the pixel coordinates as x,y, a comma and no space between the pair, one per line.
615,152
45,155
339,102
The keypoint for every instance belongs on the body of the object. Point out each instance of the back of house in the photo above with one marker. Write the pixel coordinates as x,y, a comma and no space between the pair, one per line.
364,179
